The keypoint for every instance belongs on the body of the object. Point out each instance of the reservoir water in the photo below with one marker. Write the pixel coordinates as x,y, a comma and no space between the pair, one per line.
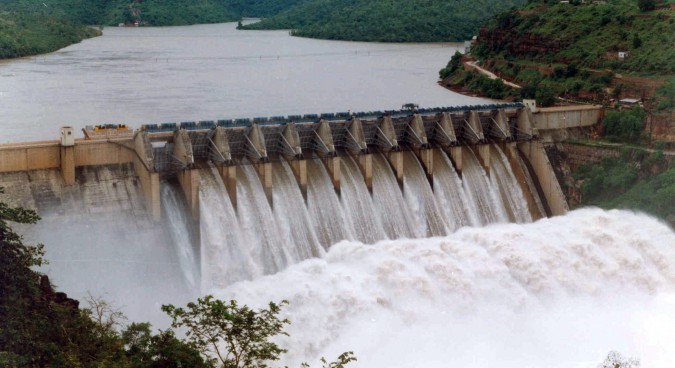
206,72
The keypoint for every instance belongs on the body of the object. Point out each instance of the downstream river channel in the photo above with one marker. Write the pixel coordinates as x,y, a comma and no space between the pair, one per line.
207,72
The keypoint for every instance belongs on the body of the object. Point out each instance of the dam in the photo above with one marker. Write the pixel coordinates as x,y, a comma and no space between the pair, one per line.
247,197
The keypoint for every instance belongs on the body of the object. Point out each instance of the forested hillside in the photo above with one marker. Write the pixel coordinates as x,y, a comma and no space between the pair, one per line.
30,27
594,51
585,34
31,34
387,20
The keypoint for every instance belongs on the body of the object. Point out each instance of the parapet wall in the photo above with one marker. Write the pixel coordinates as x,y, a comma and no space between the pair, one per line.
565,117
47,155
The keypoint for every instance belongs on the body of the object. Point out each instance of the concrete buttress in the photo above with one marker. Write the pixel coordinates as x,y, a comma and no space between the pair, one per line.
445,130
417,136
332,164
221,146
291,141
500,125
356,138
323,139
182,148
386,135
474,129
143,161
535,154
229,175
395,159
257,149
264,170
525,122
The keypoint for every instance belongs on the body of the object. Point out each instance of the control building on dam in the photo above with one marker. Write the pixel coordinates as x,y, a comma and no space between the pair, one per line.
177,152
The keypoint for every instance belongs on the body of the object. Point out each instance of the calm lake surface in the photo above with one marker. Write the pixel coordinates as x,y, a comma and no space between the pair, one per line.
207,72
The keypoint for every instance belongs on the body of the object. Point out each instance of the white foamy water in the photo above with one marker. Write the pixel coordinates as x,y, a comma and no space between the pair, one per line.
502,177
177,219
561,292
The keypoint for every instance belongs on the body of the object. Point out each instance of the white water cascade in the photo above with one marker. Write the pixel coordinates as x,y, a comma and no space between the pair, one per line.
291,215
502,177
561,292
397,219
479,189
420,198
225,256
324,207
258,239
258,226
451,196
178,221
357,202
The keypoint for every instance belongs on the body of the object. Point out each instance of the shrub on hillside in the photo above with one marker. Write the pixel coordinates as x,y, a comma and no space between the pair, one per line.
624,125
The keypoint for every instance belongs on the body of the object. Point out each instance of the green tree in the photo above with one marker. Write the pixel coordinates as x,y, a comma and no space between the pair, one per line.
454,64
237,336
646,5
624,125
545,96
666,95
145,350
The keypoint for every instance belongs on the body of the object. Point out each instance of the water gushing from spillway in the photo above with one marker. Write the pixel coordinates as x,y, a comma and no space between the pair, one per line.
561,292
177,218
397,219
357,202
420,198
225,255
292,217
511,191
259,239
328,218
482,193
257,223
451,196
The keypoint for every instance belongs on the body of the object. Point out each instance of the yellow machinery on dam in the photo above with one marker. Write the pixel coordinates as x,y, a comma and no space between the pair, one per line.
179,149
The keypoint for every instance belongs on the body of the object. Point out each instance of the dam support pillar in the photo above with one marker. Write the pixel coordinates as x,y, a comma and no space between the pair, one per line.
68,155
395,159
264,170
484,157
149,178
229,176
511,151
535,154
189,182
299,168
68,165
426,157
332,165
366,165
456,156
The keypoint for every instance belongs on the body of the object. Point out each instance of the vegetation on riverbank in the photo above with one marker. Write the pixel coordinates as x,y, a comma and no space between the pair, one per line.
386,20
589,51
30,34
44,328
637,180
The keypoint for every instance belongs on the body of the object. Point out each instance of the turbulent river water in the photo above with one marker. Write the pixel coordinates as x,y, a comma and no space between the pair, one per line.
410,274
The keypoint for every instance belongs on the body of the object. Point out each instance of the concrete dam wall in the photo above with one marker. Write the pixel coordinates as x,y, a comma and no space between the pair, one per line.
229,200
